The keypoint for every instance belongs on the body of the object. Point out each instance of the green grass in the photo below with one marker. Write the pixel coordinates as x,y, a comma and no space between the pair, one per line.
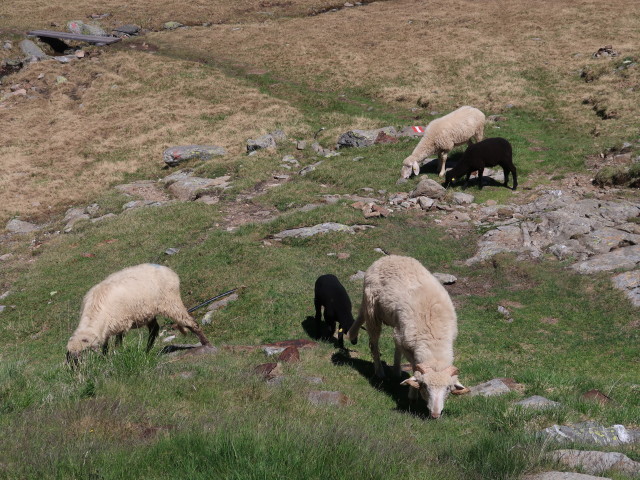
136,415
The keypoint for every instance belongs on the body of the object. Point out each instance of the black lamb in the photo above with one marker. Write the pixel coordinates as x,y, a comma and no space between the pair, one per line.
487,153
330,294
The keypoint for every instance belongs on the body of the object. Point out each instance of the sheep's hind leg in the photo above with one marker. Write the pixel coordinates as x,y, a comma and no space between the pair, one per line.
154,328
374,336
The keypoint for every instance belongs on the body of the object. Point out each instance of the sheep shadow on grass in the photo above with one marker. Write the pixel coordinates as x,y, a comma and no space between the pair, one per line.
473,182
390,384
317,332
433,166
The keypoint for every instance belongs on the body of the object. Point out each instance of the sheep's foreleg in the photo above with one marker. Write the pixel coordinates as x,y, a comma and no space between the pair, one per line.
374,336
154,328
197,331
442,156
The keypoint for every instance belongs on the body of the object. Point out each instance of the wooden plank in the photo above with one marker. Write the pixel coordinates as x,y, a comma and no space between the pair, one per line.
74,36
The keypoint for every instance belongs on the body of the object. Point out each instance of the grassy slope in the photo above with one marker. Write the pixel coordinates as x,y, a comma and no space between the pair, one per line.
136,415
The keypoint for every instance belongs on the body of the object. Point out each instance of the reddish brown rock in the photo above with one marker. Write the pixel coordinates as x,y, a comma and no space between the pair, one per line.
384,138
596,396
358,205
290,355
268,370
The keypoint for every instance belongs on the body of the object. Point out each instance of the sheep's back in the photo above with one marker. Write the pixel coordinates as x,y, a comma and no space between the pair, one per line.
456,127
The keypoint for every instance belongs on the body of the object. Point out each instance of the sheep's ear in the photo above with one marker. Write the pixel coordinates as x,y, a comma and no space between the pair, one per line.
412,382
416,168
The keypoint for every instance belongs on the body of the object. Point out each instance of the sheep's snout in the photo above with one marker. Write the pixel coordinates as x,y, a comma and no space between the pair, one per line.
434,415
73,359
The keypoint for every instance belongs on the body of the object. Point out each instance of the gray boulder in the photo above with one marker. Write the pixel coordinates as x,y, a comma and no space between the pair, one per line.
428,188
629,283
172,25
175,155
536,401
490,388
595,462
625,258
318,398
127,29
460,198
319,229
19,226
592,433
30,49
191,188
81,28
412,131
363,138
562,476
269,140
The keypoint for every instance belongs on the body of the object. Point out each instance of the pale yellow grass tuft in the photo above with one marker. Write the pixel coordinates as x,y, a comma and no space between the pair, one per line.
116,114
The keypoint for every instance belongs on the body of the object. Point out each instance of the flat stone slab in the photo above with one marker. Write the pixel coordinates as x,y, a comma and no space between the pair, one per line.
175,155
144,189
592,433
191,188
269,370
625,258
289,355
30,49
595,462
536,401
19,226
305,232
629,283
562,476
363,138
320,397
496,386
460,198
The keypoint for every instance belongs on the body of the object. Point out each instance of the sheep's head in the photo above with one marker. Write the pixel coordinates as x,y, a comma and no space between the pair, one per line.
410,164
345,324
435,386
79,342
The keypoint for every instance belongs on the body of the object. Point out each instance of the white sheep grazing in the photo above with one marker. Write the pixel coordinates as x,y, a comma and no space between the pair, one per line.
401,293
130,298
442,135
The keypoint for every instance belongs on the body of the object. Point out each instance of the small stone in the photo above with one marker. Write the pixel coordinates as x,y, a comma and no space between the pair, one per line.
207,319
445,278
289,355
343,256
536,401
380,251
491,203
171,251
172,25
358,205
268,370
5,257
30,49
169,338
273,350
309,168
318,398
357,159
460,198
496,386
127,29
425,202
428,188
19,226
301,145
314,380
175,155
359,275
60,79
2,308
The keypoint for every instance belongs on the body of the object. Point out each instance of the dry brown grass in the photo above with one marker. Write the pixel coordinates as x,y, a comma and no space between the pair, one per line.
120,109
37,14
116,114
488,53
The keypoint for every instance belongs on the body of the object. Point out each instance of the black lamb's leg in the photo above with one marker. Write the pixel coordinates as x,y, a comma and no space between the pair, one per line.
318,306
154,328
480,171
